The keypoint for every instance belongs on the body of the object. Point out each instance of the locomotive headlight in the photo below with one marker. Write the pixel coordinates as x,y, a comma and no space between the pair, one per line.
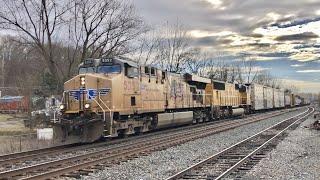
83,80
87,106
62,106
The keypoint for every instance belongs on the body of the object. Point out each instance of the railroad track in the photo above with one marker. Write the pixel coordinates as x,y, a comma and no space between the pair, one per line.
85,163
6,161
235,161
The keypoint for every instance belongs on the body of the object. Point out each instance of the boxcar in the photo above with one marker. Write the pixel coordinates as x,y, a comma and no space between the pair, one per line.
281,98
14,104
287,100
268,96
257,96
276,98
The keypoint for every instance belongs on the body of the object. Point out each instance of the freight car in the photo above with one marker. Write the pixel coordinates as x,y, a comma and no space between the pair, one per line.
278,98
262,97
116,97
281,98
268,92
287,100
298,101
14,104
257,97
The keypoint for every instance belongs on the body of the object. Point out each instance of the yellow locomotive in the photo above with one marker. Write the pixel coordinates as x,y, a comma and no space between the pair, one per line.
115,97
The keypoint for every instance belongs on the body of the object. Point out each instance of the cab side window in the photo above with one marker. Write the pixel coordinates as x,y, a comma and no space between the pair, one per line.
131,72
153,71
146,70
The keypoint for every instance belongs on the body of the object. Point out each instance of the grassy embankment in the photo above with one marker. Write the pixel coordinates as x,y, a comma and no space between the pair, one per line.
12,124
15,137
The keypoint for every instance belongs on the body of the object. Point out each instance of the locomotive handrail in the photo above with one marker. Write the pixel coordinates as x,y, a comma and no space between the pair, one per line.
105,106
104,111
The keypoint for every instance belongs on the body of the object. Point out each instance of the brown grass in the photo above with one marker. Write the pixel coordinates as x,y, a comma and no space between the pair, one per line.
12,125
11,135
15,132
5,117
12,144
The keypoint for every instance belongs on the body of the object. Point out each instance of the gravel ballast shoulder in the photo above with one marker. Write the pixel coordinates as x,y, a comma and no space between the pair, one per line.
296,157
163,164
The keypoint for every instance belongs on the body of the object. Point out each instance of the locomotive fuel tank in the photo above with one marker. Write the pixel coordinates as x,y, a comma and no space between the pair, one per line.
174,119
238,112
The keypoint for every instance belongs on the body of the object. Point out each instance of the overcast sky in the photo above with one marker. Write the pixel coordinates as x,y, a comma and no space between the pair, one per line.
283,35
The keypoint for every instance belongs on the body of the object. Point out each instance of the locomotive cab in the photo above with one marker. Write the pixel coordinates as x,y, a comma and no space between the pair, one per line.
93,97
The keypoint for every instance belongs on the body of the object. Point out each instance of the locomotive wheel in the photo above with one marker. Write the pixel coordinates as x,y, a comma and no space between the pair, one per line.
122,133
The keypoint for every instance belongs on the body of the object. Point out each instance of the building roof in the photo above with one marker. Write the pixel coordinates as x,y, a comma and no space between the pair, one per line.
11,98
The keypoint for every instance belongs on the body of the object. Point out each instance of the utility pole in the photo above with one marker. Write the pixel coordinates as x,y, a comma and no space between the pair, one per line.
2,68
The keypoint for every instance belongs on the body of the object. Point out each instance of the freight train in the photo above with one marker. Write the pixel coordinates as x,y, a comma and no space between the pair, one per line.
113,97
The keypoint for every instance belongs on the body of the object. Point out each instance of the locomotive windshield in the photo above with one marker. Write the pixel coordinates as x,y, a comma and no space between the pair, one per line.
84,70
114,69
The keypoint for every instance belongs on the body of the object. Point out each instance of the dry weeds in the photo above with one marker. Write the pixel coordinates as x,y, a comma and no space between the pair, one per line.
12,144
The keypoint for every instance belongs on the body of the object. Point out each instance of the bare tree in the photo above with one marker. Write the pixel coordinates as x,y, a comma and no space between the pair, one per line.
104,28
247,70
66,32
147,47
20,58
218,68
174,47
196,61
213,66
35,22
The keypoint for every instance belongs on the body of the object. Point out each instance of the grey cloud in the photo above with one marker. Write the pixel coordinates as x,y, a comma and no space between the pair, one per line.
193,9
225,41
211,41
293,37
205,41
259,44
284,20
275,54
296,22
199,14
241,17
303,46
255,35
255,44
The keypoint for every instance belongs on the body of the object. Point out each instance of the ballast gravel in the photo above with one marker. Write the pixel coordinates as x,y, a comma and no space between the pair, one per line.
165,163
296,157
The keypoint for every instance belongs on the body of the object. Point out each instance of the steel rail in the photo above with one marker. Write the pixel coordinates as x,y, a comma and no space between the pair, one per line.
215,156
179,137
259,148
27,155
